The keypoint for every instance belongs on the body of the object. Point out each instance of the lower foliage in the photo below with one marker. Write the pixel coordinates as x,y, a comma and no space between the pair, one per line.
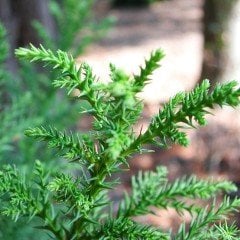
75,204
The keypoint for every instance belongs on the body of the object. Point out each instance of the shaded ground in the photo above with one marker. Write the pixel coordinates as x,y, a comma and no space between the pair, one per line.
174,26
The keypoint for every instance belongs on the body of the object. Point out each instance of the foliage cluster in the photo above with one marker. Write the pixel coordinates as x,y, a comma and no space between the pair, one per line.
19,91
75,204
76,24
27,99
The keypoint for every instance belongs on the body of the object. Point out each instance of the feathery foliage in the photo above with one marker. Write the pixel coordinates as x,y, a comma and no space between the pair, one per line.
75,204
12,111
75,17
3,45
30,101
76,25
3,55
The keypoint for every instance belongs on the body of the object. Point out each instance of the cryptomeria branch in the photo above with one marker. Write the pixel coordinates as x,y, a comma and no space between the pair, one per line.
152,189
72,204
186,109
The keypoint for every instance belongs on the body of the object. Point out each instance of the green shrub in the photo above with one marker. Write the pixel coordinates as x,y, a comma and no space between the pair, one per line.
29,100
76,205
77,28
76,24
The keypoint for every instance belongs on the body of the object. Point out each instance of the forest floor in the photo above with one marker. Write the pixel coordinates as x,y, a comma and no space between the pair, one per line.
174,26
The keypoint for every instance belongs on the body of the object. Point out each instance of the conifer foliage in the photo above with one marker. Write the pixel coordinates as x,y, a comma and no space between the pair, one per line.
75,205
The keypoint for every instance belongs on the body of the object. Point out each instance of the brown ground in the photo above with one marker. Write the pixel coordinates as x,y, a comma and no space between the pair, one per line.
174,26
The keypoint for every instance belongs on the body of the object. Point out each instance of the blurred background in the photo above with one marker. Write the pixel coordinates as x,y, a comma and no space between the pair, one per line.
200,39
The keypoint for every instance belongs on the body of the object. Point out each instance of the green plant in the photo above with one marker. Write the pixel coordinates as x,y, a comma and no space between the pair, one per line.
27,101
76,26
24,103
76,205
16,115
13,110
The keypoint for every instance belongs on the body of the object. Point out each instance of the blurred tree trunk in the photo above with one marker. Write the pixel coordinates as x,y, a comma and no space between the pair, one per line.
210,65
215,21
231,52
133,3
11,23
17,16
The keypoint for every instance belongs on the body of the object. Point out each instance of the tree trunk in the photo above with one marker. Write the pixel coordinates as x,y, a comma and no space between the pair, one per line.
231,69
215,20
132,3
11,23
17,17
27,11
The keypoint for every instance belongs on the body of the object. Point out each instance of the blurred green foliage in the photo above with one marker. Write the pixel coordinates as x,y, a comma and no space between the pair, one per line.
28,99
76,26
